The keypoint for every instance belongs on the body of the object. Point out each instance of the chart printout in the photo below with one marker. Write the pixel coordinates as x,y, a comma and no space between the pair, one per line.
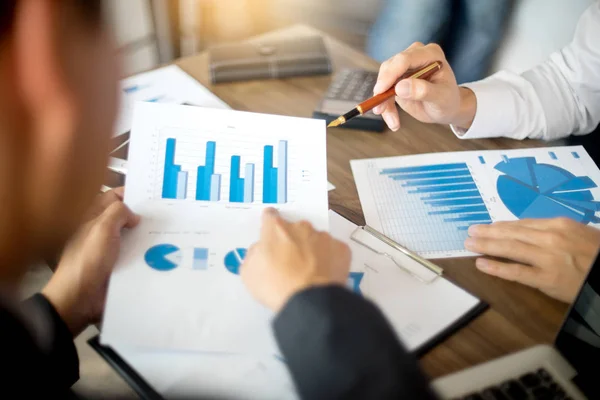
200,179
427,202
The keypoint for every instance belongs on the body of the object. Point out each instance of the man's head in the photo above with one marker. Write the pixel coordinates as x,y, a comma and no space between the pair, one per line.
58,96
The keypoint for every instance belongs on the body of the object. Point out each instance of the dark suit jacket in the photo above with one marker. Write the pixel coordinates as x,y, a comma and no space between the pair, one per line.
337,346
37,367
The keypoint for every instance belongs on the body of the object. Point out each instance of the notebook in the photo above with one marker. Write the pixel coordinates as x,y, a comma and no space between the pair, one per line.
269,60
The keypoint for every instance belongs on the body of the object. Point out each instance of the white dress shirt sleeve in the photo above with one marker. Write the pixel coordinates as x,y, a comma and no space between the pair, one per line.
558,98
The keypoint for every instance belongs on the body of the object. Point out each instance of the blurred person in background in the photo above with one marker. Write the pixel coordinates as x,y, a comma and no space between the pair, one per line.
469,31
58,104
554,100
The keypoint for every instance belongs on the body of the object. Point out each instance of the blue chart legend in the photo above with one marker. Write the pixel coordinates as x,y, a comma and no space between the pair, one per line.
234,259
533,190
429,208
200,258
163,257
242,188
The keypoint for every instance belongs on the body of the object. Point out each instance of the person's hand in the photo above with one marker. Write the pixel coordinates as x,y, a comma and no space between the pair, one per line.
436,100
78,287
552,255
291,257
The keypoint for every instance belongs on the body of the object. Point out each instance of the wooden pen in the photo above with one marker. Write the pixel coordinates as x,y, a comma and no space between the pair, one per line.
368,105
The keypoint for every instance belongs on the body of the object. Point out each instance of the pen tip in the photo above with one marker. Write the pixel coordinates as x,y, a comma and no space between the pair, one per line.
335,123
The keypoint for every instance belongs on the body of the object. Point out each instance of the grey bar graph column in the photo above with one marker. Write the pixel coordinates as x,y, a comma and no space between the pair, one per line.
282,172
182,181
215,187
249,184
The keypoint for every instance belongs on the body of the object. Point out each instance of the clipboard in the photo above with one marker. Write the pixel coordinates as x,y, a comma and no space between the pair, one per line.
391,245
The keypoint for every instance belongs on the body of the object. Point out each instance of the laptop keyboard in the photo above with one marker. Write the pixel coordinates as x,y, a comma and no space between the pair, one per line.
537,385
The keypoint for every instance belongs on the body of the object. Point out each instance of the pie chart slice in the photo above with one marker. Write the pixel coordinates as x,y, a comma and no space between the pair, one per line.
163,257
234,259
555,192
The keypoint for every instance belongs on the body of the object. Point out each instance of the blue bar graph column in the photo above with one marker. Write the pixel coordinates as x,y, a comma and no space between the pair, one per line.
182,181
171,171
269,177
205,173
282,165
249,184
236,184
215,187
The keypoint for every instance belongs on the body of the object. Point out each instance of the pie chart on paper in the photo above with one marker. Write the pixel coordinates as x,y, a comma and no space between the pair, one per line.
532,190
163,257
234,259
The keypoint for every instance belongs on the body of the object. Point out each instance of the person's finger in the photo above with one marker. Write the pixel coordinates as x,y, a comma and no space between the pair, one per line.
561,224
391,118
378,110
103,201
521,232
524,274
118,216
392,69
120,192
509,249
415,45
304,229
418,90
271,223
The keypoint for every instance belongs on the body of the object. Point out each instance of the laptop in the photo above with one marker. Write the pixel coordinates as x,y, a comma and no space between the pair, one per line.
566,370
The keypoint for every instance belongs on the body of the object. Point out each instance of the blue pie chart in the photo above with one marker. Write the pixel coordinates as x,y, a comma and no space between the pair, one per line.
234,259
532,190
163,257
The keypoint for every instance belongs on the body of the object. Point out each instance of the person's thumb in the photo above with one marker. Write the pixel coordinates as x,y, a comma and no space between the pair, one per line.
417,90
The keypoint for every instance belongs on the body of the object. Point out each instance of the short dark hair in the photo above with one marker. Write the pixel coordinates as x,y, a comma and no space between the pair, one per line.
91,9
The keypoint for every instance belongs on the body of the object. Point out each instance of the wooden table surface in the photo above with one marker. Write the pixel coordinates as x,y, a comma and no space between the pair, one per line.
519,317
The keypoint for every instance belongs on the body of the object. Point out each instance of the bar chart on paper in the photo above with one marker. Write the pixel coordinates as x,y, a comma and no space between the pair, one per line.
259,175
428,205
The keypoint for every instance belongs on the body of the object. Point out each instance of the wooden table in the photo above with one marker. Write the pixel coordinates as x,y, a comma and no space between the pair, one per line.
519,316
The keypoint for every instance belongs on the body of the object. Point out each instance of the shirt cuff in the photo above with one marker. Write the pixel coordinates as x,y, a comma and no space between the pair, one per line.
492,118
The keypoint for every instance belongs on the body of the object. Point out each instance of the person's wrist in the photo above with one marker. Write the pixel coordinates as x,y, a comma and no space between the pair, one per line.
66,307
467,110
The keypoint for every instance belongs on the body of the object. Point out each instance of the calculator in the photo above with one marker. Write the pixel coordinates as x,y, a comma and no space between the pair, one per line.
349,88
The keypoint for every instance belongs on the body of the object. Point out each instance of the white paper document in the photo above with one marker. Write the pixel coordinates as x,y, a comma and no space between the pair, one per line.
189,375
165,85
200,178
419,312
427,202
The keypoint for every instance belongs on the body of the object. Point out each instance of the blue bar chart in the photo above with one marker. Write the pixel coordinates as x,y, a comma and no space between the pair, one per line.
447,190
428,208
240,177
